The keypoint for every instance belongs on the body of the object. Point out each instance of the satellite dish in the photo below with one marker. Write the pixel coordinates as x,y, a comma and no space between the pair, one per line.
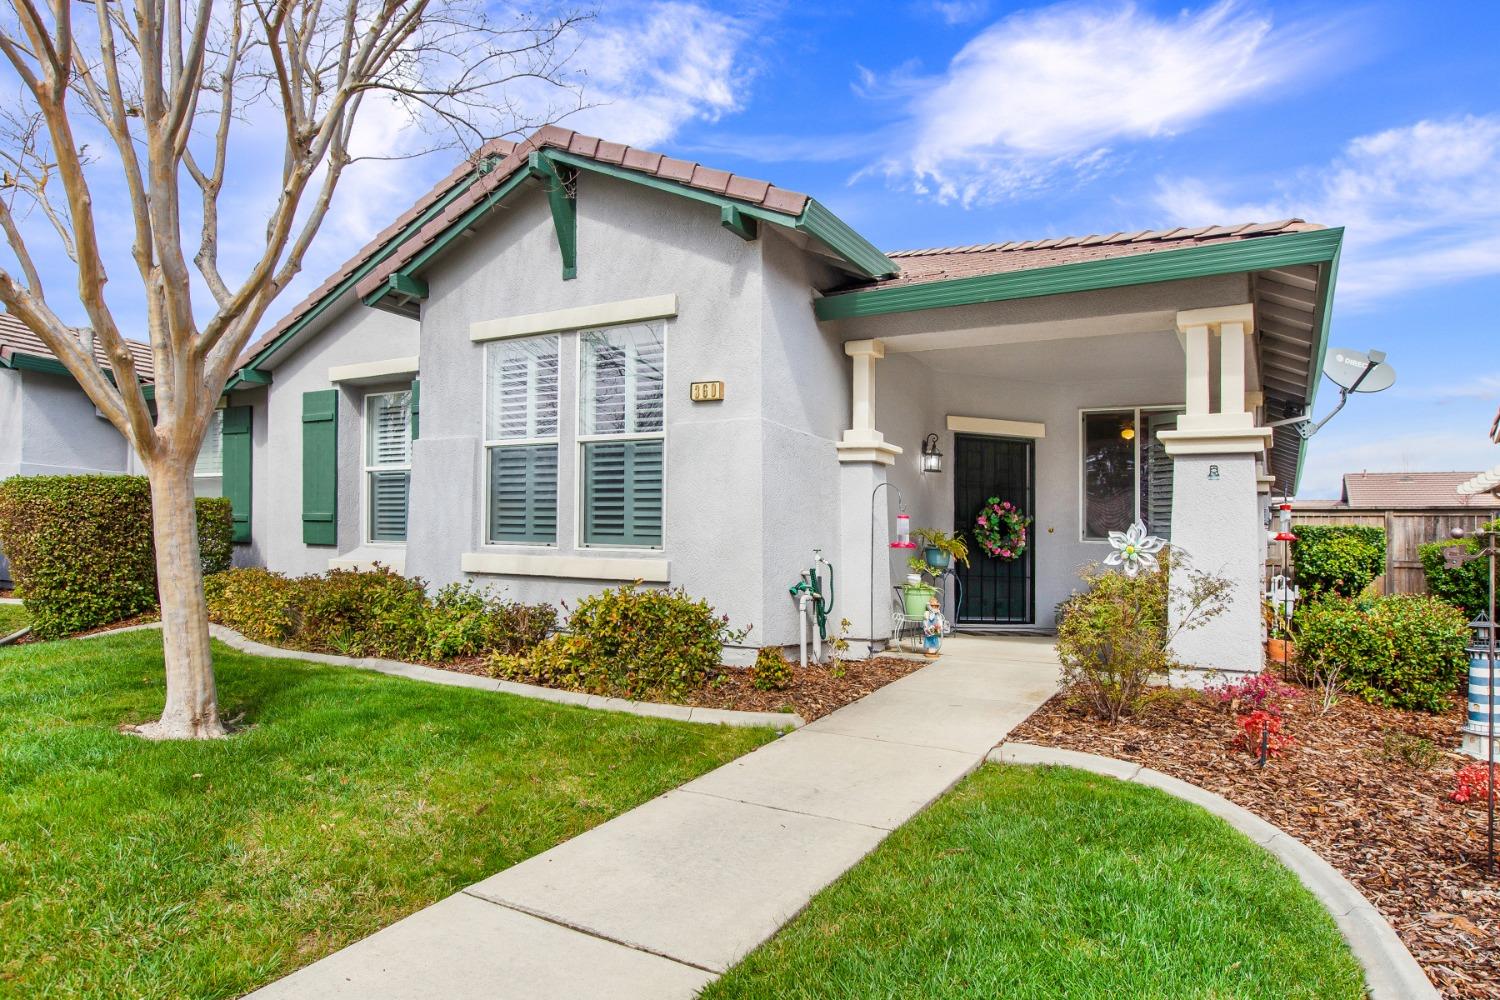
1358,371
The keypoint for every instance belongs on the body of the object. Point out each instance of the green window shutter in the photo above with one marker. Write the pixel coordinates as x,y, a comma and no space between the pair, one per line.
416,408
622,493
236,458
523,494
320,472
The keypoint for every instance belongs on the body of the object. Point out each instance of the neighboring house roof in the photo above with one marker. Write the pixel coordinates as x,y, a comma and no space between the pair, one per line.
1410,490
20,348
946,263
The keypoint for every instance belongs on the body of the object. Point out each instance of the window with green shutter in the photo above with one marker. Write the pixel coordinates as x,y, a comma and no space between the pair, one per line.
387,464
234,425
521,386
320,467
621,426
208,471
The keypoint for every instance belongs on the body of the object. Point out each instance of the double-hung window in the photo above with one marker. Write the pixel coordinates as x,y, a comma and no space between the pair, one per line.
521,440
620,433
387,464
1127,474
208,473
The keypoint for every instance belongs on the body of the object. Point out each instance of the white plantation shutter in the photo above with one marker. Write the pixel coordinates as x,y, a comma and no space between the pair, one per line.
208,473
388,463
622,414
521,406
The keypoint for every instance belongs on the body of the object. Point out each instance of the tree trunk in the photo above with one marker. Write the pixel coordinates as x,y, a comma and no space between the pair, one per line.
192,708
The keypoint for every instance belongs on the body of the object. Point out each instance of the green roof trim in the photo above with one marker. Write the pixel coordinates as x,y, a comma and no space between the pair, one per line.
836,234
251,374
1320,348
1262,252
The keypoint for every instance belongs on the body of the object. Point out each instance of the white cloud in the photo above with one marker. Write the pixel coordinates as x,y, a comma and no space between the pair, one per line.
1055,91
959,11
1421,204
651,69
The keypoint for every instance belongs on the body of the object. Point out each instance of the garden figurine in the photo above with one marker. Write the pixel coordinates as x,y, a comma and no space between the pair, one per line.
932,627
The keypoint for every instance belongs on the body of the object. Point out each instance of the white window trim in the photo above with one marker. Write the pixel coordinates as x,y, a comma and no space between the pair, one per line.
564,321
1083,535
367,468
579,439
486,443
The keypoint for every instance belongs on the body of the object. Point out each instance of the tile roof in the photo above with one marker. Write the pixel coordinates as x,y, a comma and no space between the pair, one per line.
1402,490
15,338
745,189
495,147
944,263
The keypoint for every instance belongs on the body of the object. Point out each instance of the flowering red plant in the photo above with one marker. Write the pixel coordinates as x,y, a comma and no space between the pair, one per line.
1254,725
1473,781
1262,692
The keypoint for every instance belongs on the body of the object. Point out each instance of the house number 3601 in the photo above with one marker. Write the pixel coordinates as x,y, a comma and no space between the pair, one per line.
707,392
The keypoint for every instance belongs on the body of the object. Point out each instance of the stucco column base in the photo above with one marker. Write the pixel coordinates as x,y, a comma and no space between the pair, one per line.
860,592
1216,526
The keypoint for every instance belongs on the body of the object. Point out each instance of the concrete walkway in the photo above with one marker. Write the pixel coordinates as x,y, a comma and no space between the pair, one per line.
658,902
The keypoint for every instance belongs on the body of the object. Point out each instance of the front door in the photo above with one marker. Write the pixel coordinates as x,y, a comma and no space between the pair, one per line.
994,591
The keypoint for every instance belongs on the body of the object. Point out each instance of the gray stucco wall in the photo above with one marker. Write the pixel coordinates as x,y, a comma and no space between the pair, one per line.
632,243
351,335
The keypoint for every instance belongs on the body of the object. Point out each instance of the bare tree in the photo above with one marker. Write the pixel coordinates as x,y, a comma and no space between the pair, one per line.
169,84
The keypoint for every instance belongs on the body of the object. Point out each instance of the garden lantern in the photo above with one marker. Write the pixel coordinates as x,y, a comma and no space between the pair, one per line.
1476,725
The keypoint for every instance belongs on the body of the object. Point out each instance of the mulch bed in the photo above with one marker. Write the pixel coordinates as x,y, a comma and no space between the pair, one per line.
1356,788
813,692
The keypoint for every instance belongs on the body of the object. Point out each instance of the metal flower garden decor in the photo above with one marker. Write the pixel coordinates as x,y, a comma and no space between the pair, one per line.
1134,549
1000,530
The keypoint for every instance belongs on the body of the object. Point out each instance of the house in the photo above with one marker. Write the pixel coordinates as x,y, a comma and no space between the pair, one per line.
1425,491
49,427
574,363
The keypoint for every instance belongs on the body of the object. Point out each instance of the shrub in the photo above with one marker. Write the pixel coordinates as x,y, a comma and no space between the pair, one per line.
1259,692
373,613
1113,638
1471,781
628,642
81,550
1404,651
1341,559
1466,587
771,671
1259,728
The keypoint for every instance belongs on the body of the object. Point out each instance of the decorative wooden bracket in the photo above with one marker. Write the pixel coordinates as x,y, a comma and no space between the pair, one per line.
561,187
738,223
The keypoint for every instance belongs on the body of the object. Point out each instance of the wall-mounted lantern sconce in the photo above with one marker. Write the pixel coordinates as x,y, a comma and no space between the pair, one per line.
932,458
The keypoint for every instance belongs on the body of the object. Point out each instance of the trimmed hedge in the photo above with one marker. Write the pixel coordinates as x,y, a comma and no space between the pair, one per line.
1403,651
374,613
81,552
1342,559
1466,587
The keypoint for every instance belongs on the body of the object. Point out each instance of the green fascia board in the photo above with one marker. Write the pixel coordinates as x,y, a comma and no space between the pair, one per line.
462,224
1320,348
1314,247
355,277
836,234
815,220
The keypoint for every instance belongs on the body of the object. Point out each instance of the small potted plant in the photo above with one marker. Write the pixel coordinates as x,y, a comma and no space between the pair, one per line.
941,550
1279,645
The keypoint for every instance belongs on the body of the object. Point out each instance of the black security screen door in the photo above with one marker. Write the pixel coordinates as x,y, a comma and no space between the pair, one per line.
995,591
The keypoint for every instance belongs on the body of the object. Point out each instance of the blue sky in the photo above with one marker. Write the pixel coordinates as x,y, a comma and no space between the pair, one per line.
936,122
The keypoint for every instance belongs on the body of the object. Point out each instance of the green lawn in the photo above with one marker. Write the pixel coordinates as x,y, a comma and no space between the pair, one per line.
12,618
1054,883
190,870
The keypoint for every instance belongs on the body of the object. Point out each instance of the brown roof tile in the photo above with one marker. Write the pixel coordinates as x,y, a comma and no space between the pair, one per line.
17,338
1410,490
749,190
942,263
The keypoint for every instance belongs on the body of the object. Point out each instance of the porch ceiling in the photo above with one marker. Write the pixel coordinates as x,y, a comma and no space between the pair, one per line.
1075,360
1289,303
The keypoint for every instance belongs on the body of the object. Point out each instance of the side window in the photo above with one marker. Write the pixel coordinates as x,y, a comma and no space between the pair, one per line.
387,464
1126,472
621,423
521,383
208,474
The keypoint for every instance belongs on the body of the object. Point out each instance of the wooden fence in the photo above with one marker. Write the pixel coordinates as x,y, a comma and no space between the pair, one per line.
1405,530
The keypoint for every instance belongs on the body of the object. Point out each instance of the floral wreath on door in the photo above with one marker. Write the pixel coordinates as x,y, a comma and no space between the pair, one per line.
1000,529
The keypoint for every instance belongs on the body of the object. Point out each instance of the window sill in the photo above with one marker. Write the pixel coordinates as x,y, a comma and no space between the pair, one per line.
365,557
567,567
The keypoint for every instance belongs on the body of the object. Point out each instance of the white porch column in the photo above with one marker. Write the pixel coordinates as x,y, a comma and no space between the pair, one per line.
864,526
862,442
1216,503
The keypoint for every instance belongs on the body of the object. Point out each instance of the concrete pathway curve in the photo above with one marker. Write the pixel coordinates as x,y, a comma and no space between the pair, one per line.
658,902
